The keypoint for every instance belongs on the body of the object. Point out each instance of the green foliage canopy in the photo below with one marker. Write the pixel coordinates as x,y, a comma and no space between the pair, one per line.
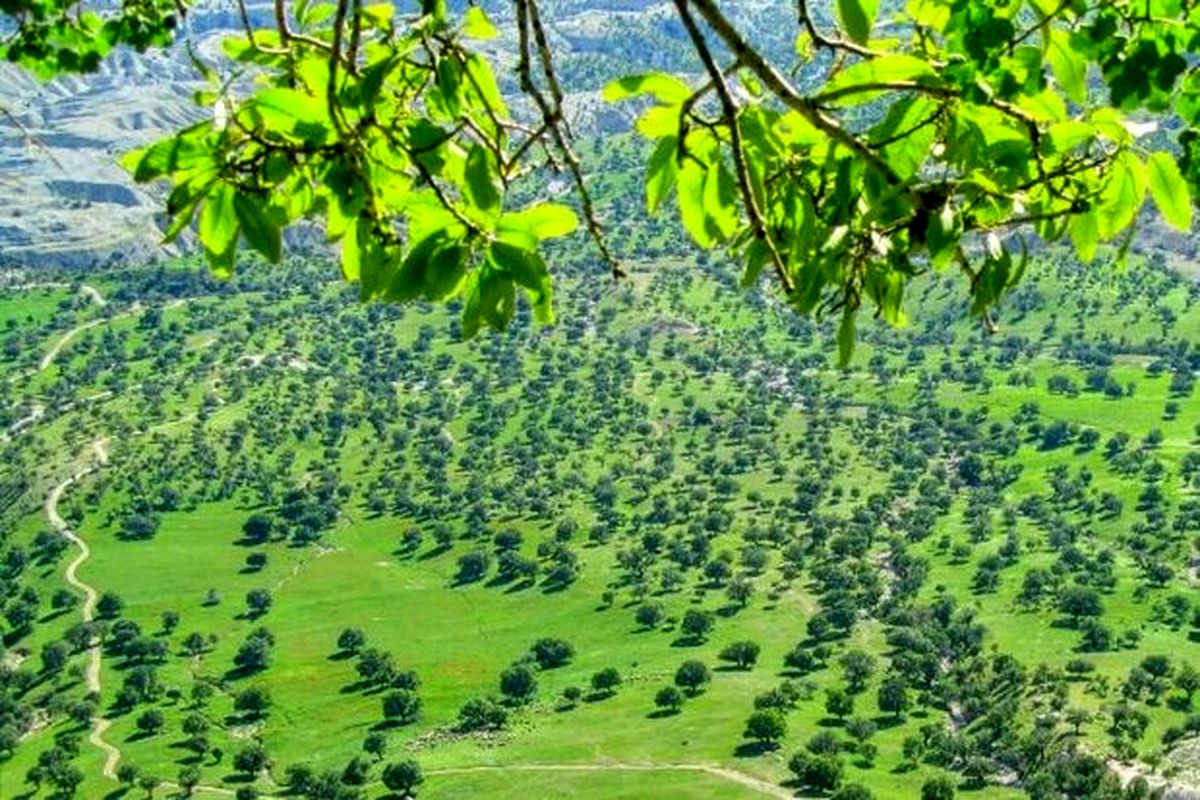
940,137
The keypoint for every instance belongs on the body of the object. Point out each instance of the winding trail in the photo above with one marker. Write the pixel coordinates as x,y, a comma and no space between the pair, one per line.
65,339
92,675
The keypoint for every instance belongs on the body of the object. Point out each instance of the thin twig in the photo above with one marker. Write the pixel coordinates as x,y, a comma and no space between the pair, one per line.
761,232
787,93
553,122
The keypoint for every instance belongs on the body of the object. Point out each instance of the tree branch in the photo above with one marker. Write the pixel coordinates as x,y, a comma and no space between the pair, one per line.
761,232
787,93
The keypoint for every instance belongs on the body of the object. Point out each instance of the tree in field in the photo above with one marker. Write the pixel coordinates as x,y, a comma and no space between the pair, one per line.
257,528
892,697
170,621
149,784
151,722
973,142
251,759
668,699
189,778
258,603
54,657
127,774
403,777
550,652
375,744
1187,680
740,590
650,615
356,772
853,791
1080,602
692,676
939,788
109,605
255,652
741,654
606,681
766,727
300,778
696,625
401,706
254,702
473,567
518,684
482,714
821,772
857,667
839,703
139,526
351,640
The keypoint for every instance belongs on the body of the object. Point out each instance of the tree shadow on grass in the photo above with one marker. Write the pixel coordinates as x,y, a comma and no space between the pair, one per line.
237,673
663,713
885,721
237,777
688,641
434,553
754,749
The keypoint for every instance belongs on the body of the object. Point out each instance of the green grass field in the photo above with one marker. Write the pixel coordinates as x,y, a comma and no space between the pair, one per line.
219,406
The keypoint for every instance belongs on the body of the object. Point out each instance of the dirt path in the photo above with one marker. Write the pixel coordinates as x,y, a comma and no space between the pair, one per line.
94,293
731,775
92,675
65,339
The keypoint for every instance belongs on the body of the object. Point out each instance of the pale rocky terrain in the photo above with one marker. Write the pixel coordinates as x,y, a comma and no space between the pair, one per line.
64,200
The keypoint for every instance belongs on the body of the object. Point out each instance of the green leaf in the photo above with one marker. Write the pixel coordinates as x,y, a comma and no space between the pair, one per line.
528,269
720,201
1085,233
1123,196
691,203
295,113
484,80
541,221
476,24
471,313
218,229
662,173
911,133
857,18
448,95
261,232
845,336
1069,67
434,268
345,196
351,256
1170,190
481,188
887,69
942,235
1066,136
497,299
993,277
662,87
757,256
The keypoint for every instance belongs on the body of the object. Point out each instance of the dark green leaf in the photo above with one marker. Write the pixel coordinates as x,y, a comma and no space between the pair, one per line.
261,232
